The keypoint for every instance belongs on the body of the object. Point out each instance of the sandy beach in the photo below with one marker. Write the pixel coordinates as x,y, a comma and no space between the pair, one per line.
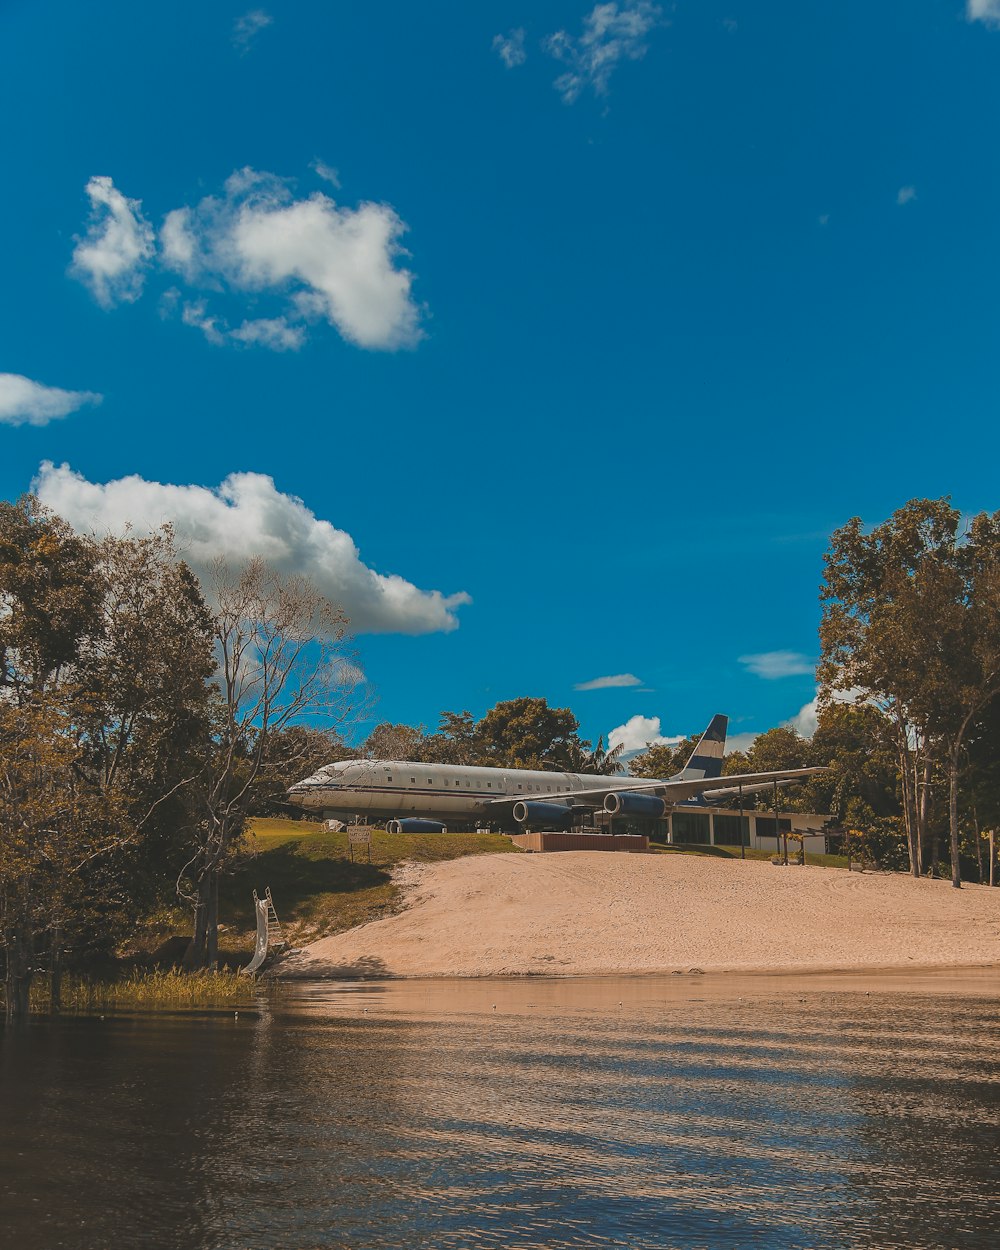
586,913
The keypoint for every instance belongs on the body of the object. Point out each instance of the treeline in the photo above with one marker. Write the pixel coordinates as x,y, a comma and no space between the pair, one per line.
140,725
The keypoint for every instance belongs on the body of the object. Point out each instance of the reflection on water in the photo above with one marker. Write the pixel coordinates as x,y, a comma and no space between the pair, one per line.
645,1113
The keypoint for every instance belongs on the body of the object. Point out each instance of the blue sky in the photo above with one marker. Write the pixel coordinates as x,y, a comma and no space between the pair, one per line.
593,321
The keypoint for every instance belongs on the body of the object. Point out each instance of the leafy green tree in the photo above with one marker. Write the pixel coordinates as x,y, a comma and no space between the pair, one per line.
879,594
50,597
662,759
527,733
396,742
601,762
911,618
53,826
142,703
455,741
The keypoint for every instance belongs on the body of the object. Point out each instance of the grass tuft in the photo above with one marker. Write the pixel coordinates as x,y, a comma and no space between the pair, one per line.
149,989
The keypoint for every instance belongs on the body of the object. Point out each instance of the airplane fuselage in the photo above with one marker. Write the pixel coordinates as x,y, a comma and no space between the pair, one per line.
391,789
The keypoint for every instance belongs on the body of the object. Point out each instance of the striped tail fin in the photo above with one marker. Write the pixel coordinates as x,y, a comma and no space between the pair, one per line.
706,758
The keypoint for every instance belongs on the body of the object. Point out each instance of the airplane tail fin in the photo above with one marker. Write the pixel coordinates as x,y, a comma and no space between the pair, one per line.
706,758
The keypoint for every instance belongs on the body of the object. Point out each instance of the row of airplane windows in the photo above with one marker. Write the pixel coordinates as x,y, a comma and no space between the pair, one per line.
479,785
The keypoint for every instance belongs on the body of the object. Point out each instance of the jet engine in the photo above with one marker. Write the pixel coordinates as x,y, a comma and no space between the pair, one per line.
415,824
630,803
552,814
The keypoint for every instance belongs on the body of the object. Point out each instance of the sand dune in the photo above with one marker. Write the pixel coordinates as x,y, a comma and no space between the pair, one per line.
585,913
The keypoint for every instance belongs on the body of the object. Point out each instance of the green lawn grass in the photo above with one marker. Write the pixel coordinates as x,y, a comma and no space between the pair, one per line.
733,852
316,888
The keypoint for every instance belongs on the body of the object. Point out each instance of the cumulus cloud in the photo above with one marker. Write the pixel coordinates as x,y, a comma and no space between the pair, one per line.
612,33
805,719
248,516
905,194
114,254
510,48
639,732
774,664
985,11
327,262
25,402
247,27
608,683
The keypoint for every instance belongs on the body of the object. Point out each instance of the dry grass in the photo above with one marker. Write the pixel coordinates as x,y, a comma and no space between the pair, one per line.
170,989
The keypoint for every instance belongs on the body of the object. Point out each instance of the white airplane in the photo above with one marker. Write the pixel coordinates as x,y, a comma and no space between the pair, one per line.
422,798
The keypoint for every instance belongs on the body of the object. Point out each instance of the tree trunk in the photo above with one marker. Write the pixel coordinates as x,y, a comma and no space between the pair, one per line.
979,846
212,923
55,972
956,867
909,805
17,977
923,804
993,857
196,955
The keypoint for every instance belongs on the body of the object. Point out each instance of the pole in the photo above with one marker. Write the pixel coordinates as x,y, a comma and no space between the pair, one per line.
777,833
743,845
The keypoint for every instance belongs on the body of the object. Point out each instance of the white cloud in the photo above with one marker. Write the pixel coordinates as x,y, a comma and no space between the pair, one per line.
773,664
510,48
806,718
326,172
327,262
985,11
607,683
740,742
273,332
25,402
905,194
247,27
112,257
639,732
612,33
246,516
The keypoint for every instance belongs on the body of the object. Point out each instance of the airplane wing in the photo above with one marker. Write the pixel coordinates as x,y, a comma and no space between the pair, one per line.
669,791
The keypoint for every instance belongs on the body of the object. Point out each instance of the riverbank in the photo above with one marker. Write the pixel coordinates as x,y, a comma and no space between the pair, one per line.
590,914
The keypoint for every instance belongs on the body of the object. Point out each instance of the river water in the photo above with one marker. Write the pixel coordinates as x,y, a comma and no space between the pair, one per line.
662,1112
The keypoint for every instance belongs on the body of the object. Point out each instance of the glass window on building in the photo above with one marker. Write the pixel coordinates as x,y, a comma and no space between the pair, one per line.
691,827
765,826
727,831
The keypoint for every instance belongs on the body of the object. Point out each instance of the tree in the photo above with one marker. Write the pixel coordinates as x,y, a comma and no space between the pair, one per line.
280,650
52,827
455,741
395,742
142,700
289,755
50,597
879,597
527,733
662,759
911,618
604,763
